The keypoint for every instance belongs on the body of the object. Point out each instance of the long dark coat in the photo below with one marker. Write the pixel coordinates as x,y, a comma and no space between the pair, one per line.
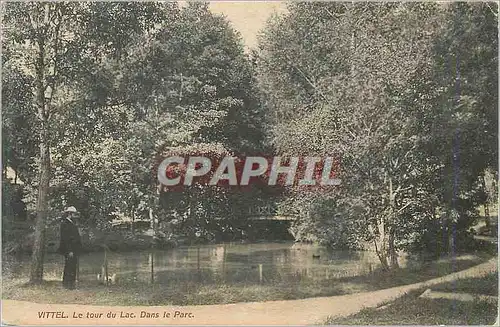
70,238
70,242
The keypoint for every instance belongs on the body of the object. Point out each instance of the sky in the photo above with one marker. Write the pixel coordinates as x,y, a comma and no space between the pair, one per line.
248,17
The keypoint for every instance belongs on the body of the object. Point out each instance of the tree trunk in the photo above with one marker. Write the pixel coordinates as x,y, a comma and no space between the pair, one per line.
152,220
36,275
486,208
386,248
391,248
133,221
382,256
43,108
381,248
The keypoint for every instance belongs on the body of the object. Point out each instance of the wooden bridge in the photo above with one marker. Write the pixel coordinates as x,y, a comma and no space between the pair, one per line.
268,212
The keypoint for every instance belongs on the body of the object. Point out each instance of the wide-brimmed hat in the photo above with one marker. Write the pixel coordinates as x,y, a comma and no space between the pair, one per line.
71,209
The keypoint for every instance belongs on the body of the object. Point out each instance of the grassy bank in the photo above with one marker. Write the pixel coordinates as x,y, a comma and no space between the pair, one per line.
412,310
193,293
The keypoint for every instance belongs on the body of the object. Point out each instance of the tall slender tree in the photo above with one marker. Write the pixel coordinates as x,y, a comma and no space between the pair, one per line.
58,45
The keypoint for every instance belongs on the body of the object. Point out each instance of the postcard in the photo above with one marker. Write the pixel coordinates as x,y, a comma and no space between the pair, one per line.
249,163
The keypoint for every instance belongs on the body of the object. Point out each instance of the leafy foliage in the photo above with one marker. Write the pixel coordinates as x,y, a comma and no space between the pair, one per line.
366,81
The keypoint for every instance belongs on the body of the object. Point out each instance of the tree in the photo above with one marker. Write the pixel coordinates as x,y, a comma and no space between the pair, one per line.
58,46
190,83
461,119
18,122
359,81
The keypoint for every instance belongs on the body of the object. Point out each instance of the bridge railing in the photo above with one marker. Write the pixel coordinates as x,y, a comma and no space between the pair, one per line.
270,210
266,210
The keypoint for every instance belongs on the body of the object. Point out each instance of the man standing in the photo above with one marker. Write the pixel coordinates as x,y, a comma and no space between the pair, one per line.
70,246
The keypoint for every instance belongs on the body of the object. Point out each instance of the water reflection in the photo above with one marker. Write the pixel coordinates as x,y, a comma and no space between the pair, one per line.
222,263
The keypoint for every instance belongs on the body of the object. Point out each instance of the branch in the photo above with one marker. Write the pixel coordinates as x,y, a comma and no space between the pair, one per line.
336,15
32,26
402,189
492,11
405,206
343,148
307,79
57,30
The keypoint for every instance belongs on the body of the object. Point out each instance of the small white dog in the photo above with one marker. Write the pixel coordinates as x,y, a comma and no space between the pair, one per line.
101,278
111,279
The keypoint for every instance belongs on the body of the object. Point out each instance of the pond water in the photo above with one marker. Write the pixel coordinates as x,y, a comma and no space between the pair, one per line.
228,263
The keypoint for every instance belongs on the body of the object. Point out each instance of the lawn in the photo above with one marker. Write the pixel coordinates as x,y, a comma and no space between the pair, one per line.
193,293
412,310
184,293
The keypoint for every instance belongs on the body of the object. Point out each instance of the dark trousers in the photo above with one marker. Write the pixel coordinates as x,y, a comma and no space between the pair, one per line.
70,267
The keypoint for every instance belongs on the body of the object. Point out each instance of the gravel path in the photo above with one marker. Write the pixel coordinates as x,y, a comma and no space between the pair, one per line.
293,312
